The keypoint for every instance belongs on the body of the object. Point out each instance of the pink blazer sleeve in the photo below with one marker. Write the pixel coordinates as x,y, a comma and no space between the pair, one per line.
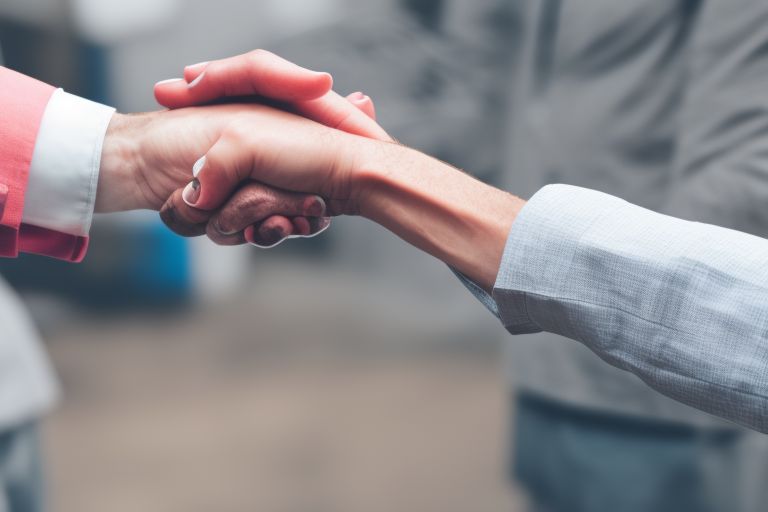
22,104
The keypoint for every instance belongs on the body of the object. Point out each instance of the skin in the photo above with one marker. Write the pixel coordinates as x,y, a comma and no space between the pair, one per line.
145,157
261,76
138,145
433,206
430,204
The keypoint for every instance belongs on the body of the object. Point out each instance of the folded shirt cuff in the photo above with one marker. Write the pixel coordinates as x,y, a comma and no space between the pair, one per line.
541,244
64,172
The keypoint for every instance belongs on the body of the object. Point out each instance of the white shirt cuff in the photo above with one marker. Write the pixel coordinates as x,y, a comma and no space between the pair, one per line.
64,172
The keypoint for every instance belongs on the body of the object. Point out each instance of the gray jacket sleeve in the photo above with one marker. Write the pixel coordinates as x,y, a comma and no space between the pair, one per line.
682,305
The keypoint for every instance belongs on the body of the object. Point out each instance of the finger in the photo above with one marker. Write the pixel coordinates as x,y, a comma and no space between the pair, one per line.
254,203
217,174
270,233
363,103
277,228
257,73
188,221
300,226
337,112
183,219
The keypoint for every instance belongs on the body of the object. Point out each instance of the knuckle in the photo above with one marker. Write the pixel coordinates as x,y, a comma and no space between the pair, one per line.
257,55
218,238
169,216
225,222
214,68
239,132
235,131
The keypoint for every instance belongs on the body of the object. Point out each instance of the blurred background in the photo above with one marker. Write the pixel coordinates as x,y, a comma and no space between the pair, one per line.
346,372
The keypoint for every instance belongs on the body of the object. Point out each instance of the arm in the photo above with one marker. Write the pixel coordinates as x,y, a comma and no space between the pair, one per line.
680,304
56,147
255,76
23,105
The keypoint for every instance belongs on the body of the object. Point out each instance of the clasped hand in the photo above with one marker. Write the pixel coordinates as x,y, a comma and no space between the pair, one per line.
253,149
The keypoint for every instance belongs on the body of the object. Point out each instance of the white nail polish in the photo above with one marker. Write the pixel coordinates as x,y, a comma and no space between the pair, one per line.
197,80
191,193
170,80
198,166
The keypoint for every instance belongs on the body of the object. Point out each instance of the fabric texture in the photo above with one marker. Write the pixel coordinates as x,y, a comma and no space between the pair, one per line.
661,103
572,459
64,171
23,105
680,304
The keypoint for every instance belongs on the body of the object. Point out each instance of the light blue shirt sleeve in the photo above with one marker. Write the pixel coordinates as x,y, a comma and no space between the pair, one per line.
682,305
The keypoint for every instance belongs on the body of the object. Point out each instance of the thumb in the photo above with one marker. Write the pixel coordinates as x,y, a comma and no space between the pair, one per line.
217,175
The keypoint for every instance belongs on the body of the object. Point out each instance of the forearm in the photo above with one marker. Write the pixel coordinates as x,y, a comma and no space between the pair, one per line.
120,156
437,208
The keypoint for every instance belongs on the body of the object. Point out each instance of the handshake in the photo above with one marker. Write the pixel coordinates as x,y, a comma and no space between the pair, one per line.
255,149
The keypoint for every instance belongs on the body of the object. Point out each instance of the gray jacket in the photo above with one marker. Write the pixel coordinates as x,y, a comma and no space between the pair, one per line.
662,103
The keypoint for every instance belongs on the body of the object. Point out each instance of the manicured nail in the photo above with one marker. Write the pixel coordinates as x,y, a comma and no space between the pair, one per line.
169,81
198,166
196,67
197,80
191,192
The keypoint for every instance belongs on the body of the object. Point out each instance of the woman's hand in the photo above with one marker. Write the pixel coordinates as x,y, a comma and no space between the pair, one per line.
264,77
146,157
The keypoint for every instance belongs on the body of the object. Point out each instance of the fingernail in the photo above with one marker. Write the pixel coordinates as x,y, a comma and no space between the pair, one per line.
276,237
169,81
323,223
195,67
197,80
314,207
221,231
191,192
357,96
277,234
198,166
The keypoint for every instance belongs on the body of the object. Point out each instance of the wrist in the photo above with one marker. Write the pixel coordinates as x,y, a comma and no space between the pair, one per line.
121,162
437,208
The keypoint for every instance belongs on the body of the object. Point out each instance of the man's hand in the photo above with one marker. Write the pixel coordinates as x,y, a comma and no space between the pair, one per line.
146,157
